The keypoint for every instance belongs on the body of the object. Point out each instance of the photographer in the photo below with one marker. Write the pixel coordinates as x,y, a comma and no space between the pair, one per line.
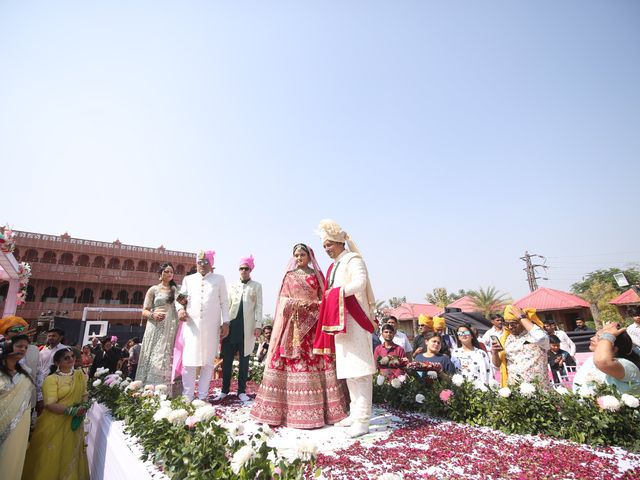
16,387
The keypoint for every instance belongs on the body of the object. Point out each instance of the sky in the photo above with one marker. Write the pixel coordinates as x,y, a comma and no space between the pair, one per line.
445,137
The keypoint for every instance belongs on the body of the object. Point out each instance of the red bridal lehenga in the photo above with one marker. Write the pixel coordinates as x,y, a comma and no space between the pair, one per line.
299,389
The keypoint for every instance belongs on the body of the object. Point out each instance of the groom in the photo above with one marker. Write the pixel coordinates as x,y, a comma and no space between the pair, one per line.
346,318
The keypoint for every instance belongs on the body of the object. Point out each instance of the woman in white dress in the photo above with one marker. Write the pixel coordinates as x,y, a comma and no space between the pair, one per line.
470,359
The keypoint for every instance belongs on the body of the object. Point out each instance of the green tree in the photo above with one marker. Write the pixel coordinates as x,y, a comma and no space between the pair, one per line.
458,295
489,300
395,302
439,297
606,276
599,294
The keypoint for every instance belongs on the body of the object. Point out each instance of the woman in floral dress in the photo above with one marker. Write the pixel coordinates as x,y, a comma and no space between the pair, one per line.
299,389
155,362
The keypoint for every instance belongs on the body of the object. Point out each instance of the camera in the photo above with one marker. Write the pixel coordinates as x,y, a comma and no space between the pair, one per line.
6,348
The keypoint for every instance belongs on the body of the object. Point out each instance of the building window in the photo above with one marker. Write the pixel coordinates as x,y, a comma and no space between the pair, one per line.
98,262
180,270
138,298
49,257
86,296
31,255
142,266
66,259
128,265
106,296
114,264
50,295
68,295
31,294
155,267
83,261
123,297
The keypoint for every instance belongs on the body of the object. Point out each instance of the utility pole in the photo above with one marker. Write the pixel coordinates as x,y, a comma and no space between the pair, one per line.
530,268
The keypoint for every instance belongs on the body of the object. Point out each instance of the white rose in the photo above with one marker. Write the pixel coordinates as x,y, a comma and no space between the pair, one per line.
165,403
177,417
562,390
478,385
457,380
420,398
162,414
161,388
135,385
527,390
204,413
395,383
118,372
306,450
197,403
504,392
234,429
432,375
586,391
630,401
241,457
380,380
97,383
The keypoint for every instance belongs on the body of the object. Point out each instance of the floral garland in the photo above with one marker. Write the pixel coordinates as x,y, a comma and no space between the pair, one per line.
597,415
24,273
7,239
188,439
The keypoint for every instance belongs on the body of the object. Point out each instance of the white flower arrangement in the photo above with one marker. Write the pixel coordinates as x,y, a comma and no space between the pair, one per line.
149,388
380,380
504,392
630,401
527,389
177,417
101,371
135,385
306,450
561,390
586,391
395,383
97,383
204,413
234,429
161,389
165,403
241,457
456,379
420,398
118,372
609,402
197,403
162,414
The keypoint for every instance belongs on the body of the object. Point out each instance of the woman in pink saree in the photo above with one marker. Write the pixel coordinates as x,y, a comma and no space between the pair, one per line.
299,389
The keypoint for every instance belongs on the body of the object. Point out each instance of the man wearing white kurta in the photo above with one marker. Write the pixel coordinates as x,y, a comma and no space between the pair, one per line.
207,321
354,355
245,311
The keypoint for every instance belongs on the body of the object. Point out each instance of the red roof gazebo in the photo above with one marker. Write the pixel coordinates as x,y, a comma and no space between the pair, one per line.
560,306
408,313
625,300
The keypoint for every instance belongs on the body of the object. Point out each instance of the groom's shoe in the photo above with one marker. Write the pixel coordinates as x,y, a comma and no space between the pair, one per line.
220,396
358,429
243,397
345,422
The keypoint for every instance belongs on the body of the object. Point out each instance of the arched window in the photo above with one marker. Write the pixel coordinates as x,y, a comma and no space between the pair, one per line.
128,265
98,262
114,264
31,255
83,261
106,296
49,257
31,294
142,266
155,266
138,298
66,259
50,295
180,270
86,296
123,297
68,295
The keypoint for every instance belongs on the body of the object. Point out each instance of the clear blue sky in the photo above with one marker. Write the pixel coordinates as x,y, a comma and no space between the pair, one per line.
446,137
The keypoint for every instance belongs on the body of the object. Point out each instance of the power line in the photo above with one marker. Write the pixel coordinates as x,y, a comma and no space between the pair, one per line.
530,268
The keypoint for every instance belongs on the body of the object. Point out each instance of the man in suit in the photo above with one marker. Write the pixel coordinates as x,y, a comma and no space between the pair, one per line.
245,310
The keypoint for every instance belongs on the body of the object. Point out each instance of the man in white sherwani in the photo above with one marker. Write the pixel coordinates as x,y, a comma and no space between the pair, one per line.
245,311
349,302
207,321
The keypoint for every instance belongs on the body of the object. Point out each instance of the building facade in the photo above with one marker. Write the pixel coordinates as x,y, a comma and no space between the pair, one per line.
69,274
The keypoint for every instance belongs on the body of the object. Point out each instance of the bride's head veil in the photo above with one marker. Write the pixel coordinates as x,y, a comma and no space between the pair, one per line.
292,266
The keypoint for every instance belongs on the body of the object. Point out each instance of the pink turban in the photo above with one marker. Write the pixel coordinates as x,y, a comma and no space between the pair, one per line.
248,261
208,255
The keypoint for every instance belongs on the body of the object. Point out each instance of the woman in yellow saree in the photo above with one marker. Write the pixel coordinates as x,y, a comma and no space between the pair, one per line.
15,397
57,450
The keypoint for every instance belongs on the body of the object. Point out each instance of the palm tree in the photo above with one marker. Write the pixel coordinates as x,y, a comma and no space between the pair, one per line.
489,300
